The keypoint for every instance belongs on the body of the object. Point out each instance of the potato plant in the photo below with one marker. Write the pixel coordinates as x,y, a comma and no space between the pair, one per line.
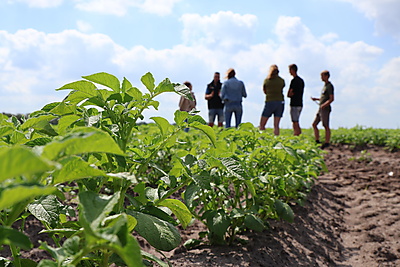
92,175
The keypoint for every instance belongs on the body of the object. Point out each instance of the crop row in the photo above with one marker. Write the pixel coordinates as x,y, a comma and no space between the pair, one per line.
92,176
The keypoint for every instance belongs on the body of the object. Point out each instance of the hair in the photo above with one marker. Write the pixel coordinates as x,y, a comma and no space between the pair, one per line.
326,73
188,84
273,72
216,72
230,73
293,67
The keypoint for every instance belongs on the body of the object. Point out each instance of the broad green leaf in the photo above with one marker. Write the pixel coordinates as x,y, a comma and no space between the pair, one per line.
165,86
160,234
11,196
47,263
179,209
41,141
82,140
254,223
148,81
183,90
66,121
95,208
130,252
86,88
63,108
32,122
105,79
284,211
75,168
151,257
47,209
207,130
11,236
235,168
180,117
203,179
218,224
130,220
6,130
163,124
126,84
18,160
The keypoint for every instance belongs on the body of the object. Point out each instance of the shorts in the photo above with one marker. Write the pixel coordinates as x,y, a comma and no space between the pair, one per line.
322,115
214,112
295,113
273,107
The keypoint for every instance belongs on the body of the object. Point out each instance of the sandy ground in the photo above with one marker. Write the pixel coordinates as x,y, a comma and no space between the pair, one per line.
351,218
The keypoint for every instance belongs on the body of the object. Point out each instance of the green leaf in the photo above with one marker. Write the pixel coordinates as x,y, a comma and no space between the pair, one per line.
207,130
160,234
105,79
95,208
284,211
82,140
63,108
11,196
179,209
218,223
203,179
235,168
47,209
10,236
6,130
66,121
18,160
162,124
130,252
86,89
148,81
183,90
180,117
75,168
254,223
165,86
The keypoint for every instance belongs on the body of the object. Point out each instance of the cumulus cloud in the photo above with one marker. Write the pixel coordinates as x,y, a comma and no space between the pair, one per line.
224,30
121,7
384,13
33,64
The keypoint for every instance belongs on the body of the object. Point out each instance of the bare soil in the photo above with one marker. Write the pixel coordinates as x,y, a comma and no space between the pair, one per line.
351,218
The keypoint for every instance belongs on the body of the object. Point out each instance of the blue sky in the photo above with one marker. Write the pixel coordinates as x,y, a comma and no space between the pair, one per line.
45,44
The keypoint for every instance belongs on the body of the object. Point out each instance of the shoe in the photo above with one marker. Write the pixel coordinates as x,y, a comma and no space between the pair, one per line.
317,141
325,145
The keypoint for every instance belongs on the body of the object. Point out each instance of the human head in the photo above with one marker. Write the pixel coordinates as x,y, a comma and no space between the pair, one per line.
230,73
273,71
293,69
216,77
325,75
188,84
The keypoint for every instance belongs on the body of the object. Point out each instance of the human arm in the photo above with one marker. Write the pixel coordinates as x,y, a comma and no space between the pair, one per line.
290,93
208,96
244,93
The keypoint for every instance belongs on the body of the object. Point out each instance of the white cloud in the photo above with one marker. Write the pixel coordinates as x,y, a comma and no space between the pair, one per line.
33,64
223,30
84,26
40,3
385,13
121,7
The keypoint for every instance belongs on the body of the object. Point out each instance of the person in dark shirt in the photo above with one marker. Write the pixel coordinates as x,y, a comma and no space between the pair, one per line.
327,97
295,93
214,101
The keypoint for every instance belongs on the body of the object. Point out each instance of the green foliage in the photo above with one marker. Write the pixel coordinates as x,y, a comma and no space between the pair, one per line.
124,177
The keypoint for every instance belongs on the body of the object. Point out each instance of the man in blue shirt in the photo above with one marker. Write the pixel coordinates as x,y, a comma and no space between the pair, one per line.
232,93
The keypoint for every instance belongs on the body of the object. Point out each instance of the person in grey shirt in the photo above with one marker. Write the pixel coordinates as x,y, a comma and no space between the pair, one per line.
232,93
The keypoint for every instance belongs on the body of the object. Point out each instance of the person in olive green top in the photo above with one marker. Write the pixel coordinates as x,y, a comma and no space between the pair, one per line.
274,102
324,110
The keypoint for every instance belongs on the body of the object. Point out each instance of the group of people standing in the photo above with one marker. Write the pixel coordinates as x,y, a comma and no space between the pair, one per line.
225,99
